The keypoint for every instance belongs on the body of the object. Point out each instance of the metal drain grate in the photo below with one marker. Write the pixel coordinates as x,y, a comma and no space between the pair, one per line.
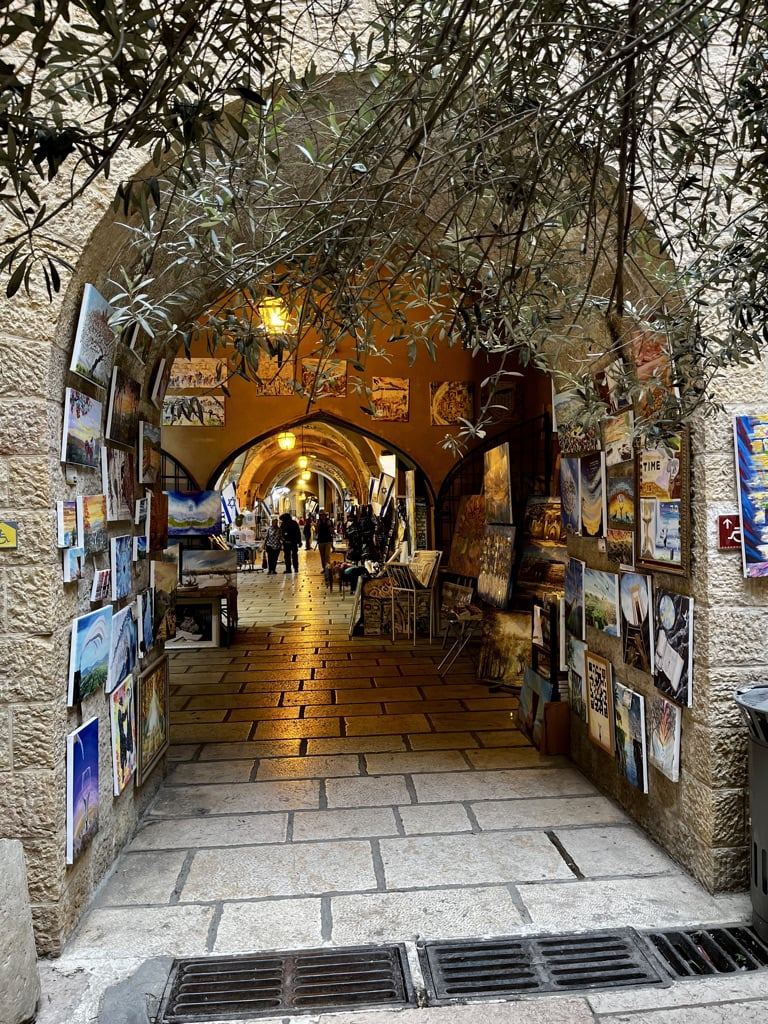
691,953
237,987
457,971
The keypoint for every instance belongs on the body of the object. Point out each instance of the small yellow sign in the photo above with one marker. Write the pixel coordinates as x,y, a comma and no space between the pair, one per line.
8,534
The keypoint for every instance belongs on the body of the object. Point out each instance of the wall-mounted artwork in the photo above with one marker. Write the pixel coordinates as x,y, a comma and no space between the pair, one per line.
536,691
593,511
468,536
194,411
636,631
601,600
451,402
121,564
629,731
139,341
164,577
575,651
82,788
273,377
74,564
206,561
570,495
574,598
117,478
497,485
620,487
157,520
751,447
194,513
324,378
665,729
663,492
599,701
101,588
94,348
140,547
505,651
89,654
617,437
197,623
389,397
673,654
152,718
81,436
188,374
123,647
541,570
66,524
123,409
653,366
573,437
542,523
144,621
122,716
150,456
497,561
159,385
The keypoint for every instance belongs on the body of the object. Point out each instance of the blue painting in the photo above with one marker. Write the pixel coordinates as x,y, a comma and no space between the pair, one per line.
89,654
751,443
123,646
121,564
82,787
194,513
629,727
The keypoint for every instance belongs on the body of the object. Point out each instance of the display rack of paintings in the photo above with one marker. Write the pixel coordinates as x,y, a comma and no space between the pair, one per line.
90,642
117,479
751,448
468,535
593,504
505,650
122,717
82,788
601,600
81,435
663,492
123,409
451,402
665,730
66,524
152,718
673,654
123,647
636,631
629,729
497,485
94,346
121,564
599,700
497,562
150,455
389,398
570,494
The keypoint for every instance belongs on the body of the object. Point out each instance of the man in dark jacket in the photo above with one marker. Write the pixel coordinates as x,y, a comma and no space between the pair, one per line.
291,532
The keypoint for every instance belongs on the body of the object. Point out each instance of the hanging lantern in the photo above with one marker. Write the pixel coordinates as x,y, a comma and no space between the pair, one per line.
286,440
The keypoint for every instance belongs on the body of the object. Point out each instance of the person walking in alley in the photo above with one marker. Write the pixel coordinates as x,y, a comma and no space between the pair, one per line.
308,533
291,534
324,534
273,544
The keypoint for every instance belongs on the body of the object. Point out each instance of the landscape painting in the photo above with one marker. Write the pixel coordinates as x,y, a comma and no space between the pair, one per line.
505,651
82,788
621,497
601,600
194,513
92,522
389,397
575,652
123,728
629,728
90,641
123,412
66,524
81,436
94,346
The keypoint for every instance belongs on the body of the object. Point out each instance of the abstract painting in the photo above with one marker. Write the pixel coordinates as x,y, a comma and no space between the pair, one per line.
497,485
497,562
122,714
89,654
324,378
574,598
389,397
150,455
468,535
152,718
81,436
665,729
593,512
570,495
123,410
451,402
673,654
117,479
121,564
194,513
94,346
82,788
188,374
629,731
599,701
751,447
505,651
636,632
123,647
601,600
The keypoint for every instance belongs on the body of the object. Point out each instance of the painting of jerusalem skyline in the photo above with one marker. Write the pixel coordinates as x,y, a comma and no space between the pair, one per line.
94,347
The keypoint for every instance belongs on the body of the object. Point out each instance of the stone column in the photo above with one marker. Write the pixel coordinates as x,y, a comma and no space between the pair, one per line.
19,977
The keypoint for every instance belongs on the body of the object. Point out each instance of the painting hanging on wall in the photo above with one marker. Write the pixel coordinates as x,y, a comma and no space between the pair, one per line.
122,718
666,727
574,598
194,513
468,536
389,397
197,623
92,522
81,436
159,385
324,378
620,487
94,347
593,511
663,493
138,341
123,409
66,524
653,366
673,636
89,647
121,564
152,718
74,564
617,438
164,577
575,651
574,439
751,448
150,456
82,788
497,562
629,730
505,651
542,523
123,647
636,632
273,377
157,520
117,479
601,600
194,411
451,402
144,621
497,485
599,701
188,374
570,494
101,588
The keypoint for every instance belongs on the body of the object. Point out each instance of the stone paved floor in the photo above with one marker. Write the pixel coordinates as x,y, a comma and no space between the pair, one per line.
323,790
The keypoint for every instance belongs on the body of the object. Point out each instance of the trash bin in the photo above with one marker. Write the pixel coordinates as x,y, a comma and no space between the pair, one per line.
753,702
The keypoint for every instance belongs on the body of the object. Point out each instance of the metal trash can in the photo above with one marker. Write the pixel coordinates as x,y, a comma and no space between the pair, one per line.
753,702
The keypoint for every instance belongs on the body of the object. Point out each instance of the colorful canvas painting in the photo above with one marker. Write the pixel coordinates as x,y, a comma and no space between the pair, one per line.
620,485
599,701
468,535
189,374
573,437
653,366
673,654
140,548
194,513
159,385
94,347
324,378
121,564
497,562
497,485
144,621
89,654
150,455
620,546
66,524
617,437
536,691
274,377
636,632
660,483
593,511
575,651
601,600
541,570
751,447
164,577
570,495
505,651
542,523
82,788
74,564
81,436
123,647
117,479
123,410
451,402
574,598
629,731
389,397
194,411
101,588
665,730
122,715
157,520
152,718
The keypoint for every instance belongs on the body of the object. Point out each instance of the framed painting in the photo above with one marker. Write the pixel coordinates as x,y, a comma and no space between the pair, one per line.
599,701
751,448
194,513
82,788
662,527
152,718
629,730
122,720
497,561
451,402
197,623
497,485
89,648
123,409
189,374
94,347
324,378
468,535
389,398
81,434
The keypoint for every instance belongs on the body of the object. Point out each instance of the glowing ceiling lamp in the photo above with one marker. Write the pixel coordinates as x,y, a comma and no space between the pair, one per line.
274,315
286,440
306,475
303,462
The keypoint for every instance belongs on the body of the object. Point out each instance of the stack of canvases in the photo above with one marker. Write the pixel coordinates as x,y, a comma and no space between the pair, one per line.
115,650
